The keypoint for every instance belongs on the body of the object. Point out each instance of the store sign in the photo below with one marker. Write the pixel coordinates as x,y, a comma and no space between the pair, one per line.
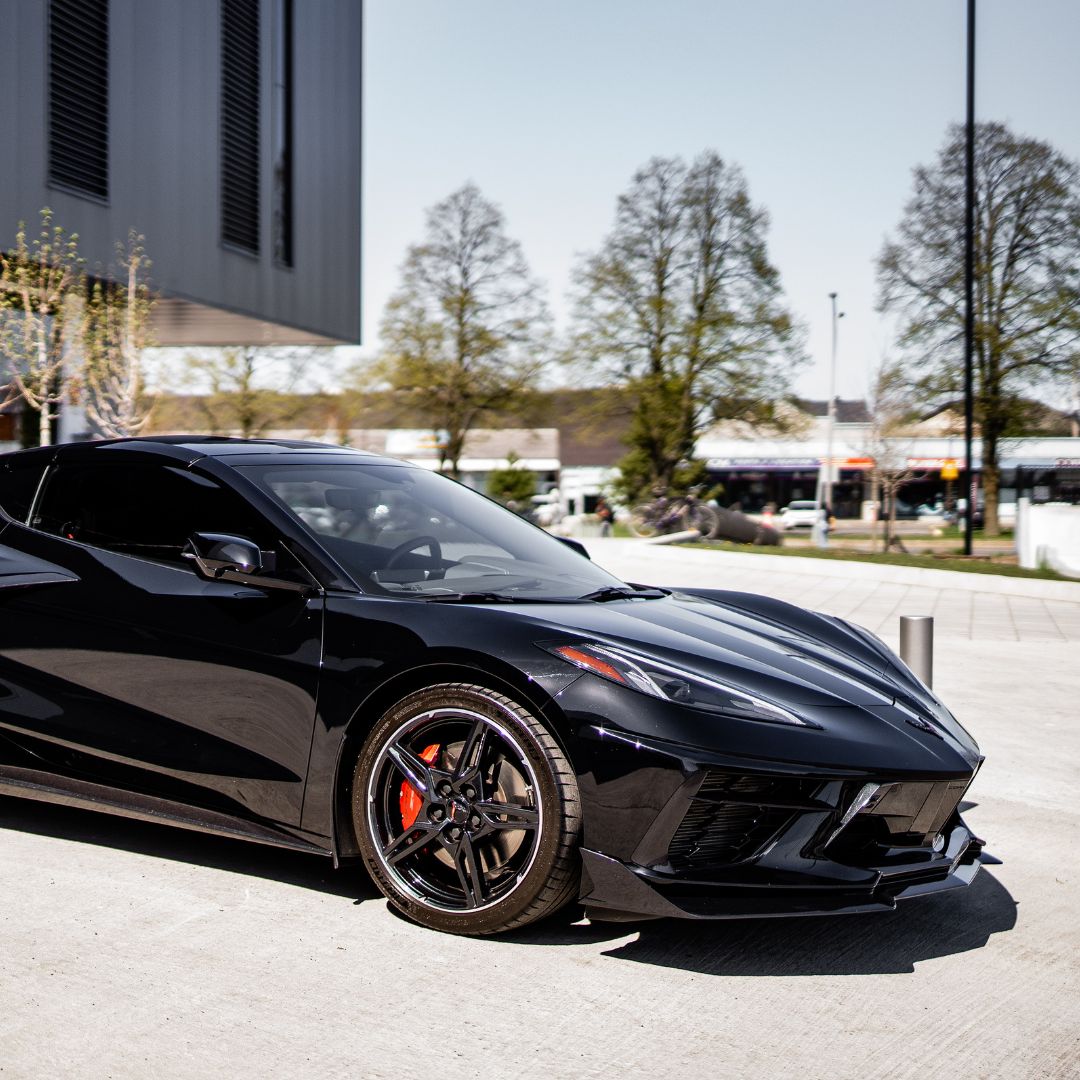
762,463
937,464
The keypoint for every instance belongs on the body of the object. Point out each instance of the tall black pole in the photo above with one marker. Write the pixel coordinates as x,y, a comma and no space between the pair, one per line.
969,280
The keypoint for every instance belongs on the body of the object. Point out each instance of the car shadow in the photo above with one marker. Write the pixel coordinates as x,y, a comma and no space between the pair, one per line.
889,943
297,868
872,944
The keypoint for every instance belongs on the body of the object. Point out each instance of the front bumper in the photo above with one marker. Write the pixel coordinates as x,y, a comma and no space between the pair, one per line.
613,891
770,820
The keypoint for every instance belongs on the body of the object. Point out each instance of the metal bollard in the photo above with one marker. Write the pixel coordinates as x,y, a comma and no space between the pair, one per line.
917,645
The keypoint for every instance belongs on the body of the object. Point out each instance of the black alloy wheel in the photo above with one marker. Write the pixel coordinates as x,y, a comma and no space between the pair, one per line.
467,812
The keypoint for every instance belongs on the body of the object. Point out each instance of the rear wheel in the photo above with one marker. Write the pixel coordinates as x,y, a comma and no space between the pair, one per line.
467,812
701,517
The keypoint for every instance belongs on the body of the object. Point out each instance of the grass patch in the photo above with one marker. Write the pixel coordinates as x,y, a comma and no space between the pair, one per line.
946,532
955,532
928,562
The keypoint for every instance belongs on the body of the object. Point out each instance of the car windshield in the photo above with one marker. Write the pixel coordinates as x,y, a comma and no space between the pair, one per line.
802,506
401,530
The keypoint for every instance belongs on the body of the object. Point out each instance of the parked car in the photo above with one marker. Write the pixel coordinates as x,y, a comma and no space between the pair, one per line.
932,510
799,514
419,680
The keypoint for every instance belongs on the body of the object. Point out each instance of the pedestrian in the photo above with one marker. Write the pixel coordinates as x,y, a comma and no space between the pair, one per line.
604,515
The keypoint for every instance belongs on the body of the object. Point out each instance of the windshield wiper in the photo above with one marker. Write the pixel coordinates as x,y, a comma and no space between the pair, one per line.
615,592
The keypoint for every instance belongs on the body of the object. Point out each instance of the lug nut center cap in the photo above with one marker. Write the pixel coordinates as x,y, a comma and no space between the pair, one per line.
458,812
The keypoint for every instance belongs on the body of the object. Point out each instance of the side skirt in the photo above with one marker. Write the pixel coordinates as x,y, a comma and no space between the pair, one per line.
22,783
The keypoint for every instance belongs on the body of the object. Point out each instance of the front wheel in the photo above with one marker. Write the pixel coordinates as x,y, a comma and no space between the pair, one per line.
644,521
467,812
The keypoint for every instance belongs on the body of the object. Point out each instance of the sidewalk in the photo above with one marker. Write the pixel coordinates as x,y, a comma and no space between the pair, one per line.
976,607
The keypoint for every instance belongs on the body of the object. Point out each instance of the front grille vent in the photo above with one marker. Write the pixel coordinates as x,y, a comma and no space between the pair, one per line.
240,129
733,817
79,96
905,814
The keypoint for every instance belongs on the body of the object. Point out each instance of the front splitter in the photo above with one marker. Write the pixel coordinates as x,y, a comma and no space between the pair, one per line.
611,891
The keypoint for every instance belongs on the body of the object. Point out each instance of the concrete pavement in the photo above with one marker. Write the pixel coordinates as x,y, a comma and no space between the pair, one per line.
976,607
130,950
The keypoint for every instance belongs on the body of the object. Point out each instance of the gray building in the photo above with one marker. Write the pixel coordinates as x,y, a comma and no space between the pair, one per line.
227,132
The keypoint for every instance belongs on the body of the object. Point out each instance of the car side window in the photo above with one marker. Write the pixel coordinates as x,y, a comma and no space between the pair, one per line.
19,480
145,510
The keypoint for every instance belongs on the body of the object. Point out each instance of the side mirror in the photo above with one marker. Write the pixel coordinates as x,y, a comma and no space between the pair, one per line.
216,554
577,546
220,557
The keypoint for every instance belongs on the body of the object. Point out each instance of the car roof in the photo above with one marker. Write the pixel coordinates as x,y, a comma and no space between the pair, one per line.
231,451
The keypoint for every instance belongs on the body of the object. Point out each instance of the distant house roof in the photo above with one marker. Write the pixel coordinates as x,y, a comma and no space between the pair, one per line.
593,424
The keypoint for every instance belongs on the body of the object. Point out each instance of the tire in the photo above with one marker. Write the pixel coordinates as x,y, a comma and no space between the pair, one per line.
467,812
701,517
643,521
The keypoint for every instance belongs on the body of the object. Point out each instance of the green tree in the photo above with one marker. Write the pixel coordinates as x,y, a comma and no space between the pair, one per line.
512,484
117,331
1027,280
682,309
41,316
466,332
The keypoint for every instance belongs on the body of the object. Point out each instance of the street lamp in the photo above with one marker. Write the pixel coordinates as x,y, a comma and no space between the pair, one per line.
969,280
825,495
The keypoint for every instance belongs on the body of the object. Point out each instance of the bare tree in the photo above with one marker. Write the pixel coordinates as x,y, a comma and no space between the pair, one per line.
891,407
116,333
41,316
466,332
1027,279
682,309
246,391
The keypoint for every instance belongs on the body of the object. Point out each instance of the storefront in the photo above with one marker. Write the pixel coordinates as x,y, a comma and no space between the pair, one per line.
751,484
756,473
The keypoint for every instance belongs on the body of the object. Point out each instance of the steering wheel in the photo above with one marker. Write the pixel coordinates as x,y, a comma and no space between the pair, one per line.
404,548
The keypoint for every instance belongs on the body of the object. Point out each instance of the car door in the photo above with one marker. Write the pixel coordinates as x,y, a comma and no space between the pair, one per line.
142,674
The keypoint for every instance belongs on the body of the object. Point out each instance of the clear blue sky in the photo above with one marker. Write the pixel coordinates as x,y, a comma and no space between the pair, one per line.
550,105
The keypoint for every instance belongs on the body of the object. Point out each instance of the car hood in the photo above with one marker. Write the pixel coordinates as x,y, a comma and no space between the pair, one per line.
828,671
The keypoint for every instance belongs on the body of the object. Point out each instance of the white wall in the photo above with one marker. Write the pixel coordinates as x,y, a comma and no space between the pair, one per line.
1049,535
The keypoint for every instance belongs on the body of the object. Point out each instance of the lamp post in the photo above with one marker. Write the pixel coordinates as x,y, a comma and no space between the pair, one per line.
969,280
826,495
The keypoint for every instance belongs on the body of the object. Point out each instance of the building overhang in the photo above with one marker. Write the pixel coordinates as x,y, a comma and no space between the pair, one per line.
178,321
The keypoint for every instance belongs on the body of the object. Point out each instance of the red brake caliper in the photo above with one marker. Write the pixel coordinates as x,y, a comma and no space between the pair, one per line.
411,802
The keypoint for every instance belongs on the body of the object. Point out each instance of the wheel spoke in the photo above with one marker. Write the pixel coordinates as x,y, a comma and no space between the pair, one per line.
473,749
415,769
469,872
514,816
408,842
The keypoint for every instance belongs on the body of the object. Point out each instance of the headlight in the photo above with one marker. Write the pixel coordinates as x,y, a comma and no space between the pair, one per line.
661,680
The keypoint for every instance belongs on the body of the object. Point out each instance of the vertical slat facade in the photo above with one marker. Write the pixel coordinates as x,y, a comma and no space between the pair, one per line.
241,87
165,161
78,95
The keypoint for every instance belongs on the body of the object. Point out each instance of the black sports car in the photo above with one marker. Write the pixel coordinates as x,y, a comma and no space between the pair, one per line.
337,652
